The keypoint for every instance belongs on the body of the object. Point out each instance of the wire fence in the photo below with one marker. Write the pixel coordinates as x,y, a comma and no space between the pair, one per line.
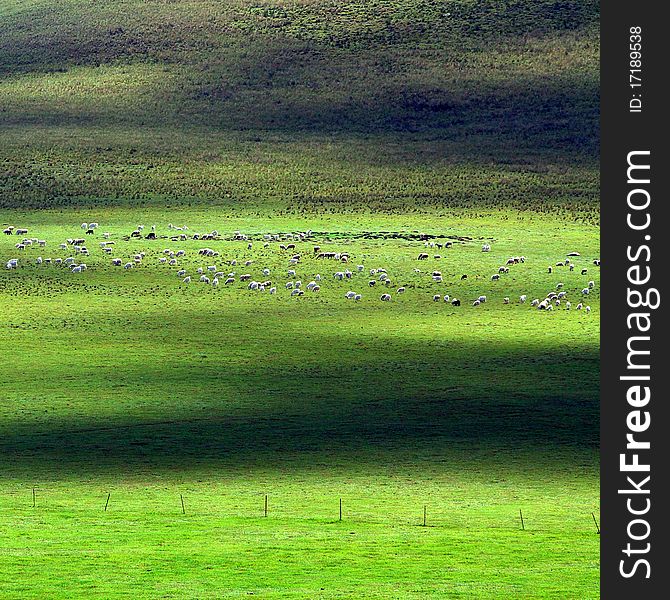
353,509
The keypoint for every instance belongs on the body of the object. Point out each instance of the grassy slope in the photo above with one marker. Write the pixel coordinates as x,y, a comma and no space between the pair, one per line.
275,116
413,105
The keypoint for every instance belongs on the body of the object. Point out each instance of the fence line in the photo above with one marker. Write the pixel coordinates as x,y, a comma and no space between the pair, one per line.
351,517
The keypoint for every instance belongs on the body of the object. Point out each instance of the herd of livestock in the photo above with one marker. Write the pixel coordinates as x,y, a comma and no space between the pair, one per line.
216,274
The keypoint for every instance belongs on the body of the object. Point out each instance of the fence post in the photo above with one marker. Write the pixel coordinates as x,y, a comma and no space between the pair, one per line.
596,522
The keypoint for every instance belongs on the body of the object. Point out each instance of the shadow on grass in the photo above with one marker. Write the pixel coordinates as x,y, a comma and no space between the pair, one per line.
408,404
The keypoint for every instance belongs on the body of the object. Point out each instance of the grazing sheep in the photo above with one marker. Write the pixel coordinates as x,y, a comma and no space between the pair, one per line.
385,297
559,286
187,279
584,271
591,284
229,280
586,291
506,300
422,256
181,272
588,309
357,297
580,306
446,298
350,295
455,302
215,281
476,303
401,290
372,282
495,277
522,298
463,277
549,270
482,299
297,292
535,302
437,298
289,285
360,268
572,267
568,305
316,288
273,290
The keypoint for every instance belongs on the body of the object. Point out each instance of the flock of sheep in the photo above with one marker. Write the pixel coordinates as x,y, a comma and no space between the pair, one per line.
215,275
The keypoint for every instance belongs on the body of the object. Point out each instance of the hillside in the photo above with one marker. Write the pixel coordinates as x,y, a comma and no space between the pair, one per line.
305,105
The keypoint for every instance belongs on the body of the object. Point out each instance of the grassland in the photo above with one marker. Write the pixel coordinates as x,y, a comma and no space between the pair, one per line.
460,119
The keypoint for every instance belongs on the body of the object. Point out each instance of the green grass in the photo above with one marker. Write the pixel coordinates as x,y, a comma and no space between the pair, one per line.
369,123
132,384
